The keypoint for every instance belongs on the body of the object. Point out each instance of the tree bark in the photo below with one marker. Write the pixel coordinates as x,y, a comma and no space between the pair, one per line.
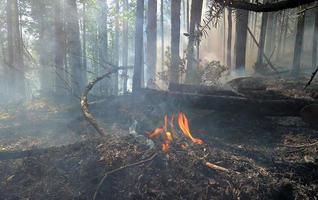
298,44
125,48
151,42
315,40
105,85
192,76
74,48
175,40
162,36
84,41
262,38
229,38
16,79
138,67
240,40
270,31
59,50
116,53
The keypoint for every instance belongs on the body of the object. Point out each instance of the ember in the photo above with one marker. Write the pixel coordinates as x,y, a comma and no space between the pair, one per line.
169,133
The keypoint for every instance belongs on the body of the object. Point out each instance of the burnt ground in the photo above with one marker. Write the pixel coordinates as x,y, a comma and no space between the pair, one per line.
266,157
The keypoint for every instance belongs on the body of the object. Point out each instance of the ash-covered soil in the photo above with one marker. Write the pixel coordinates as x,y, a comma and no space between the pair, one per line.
266,157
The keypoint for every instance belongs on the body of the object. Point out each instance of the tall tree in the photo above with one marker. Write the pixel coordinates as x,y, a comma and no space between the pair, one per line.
315,40
103,43
298,43
59,49
151,42
74,48
175,40
125,47
116,53
229,38
84,40
43,48
270,33
138,66
192,75
262,38
16,79
162,35
240,40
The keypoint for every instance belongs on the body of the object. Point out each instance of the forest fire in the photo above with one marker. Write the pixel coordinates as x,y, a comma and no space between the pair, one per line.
168,133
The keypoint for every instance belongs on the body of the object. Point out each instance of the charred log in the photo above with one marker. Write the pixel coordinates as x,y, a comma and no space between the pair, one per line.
277,107
199,89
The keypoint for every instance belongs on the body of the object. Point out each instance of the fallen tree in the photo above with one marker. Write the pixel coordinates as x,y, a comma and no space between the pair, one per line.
277,107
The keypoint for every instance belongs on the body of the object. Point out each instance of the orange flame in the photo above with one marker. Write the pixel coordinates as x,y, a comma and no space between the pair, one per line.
167,136
184,126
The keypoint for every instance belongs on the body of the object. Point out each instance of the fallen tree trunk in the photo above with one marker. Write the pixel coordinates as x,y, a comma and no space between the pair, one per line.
200,89
10,155
283,107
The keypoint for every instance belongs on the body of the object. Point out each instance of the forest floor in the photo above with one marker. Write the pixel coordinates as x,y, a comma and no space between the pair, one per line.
264,157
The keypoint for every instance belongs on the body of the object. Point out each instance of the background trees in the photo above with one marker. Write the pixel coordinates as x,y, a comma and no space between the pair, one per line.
53,48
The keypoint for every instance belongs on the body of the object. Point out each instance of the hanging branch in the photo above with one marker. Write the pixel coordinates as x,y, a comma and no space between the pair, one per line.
84,102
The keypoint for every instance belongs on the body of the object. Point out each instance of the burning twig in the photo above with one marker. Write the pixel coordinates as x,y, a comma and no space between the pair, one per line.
122,168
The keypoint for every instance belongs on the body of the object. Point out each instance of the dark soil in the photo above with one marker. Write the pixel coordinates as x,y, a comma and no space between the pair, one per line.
267,157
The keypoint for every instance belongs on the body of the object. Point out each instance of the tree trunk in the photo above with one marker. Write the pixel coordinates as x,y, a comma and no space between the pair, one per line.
175,40
59,50
151,42
162,36
285,33
262,38
125,48
315,41
43,48
138,67
116,53
74,49
269,43
240,40
84,41
103,45
192,76
280,38
16,79
229,38
298,44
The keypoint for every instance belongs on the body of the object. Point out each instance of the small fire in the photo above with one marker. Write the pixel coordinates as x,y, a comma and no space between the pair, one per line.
168,132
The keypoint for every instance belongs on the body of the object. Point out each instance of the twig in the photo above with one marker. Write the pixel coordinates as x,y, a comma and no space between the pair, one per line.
216,167
302,145
122,168
312,77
